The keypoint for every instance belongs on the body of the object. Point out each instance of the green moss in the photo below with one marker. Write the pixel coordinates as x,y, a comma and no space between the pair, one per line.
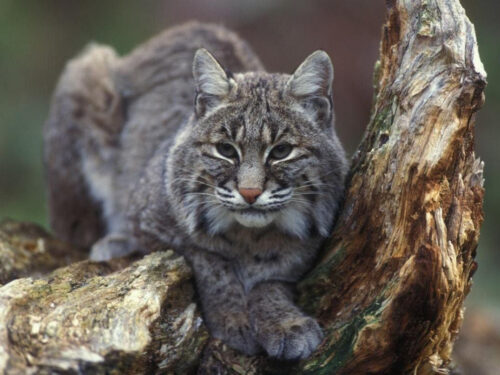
324,269
342,342
40,290
62,288
384,117
312,288
377,73
429,17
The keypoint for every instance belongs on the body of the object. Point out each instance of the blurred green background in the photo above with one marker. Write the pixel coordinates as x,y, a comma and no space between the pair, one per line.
38,37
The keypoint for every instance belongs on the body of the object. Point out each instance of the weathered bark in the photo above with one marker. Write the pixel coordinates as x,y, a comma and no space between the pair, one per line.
29,250
121,317
392,283
390,286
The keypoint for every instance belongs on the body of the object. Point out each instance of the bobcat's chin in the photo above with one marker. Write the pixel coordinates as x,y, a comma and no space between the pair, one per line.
254,218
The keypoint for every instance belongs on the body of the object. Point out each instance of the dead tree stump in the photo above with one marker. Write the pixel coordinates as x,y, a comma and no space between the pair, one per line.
391,285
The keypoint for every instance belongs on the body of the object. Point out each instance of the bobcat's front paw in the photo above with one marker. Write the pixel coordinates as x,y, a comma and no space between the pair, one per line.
235,331
112,246
293,338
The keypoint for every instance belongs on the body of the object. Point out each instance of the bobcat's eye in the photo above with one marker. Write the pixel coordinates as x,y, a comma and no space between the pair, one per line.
227,150
281,151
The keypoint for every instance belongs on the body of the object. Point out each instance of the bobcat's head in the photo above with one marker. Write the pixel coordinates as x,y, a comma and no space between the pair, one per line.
261,150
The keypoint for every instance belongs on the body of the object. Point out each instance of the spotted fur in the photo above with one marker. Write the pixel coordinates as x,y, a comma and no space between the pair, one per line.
194,134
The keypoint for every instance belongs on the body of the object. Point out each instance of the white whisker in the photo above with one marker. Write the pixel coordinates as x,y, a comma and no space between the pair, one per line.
205,194
195,181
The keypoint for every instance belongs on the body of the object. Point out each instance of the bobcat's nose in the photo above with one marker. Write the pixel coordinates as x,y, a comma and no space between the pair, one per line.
250,195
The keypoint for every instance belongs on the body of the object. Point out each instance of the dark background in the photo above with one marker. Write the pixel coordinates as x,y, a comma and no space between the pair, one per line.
38,37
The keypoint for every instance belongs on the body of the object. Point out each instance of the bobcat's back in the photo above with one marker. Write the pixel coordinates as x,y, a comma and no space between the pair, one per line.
110,114
156,80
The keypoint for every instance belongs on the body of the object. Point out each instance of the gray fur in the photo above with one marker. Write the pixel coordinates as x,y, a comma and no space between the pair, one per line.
133,165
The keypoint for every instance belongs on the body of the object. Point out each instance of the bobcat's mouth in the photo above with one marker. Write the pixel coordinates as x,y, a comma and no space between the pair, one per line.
253,218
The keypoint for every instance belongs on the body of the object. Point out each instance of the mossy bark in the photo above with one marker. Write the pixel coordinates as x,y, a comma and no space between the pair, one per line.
390,285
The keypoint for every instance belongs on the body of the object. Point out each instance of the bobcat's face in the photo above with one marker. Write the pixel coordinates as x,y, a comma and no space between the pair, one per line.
267,152
265,167
262,176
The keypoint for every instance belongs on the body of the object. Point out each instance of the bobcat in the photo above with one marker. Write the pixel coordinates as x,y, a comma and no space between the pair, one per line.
237,169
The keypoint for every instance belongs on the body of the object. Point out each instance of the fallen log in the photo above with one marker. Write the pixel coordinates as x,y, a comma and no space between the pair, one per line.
126,316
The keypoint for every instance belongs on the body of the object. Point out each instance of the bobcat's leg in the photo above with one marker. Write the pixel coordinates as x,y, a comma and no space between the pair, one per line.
75,216
114,245
223,301
85,111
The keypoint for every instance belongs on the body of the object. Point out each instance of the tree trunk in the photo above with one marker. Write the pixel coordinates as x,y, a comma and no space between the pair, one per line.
390,286
393,280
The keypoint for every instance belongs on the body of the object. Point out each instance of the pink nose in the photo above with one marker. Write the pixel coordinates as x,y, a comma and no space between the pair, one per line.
250,195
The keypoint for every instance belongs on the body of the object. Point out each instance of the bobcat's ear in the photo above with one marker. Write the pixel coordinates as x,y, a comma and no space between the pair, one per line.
212,82
311,84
